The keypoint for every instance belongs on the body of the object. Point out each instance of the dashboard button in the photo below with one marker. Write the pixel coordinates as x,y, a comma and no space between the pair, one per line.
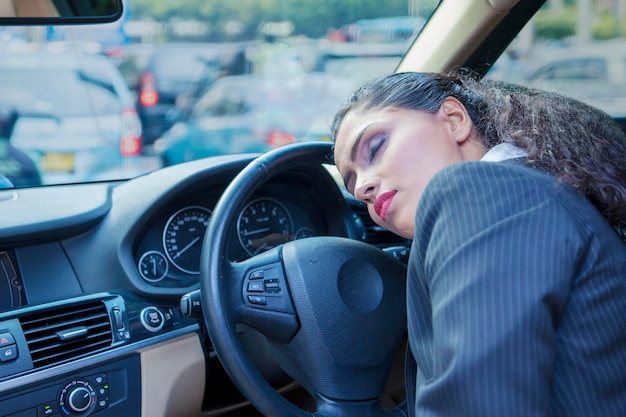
102,391
152,319
48,409
102,403
8,353
6,339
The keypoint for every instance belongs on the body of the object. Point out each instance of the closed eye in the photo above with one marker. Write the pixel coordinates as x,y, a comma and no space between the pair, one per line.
379,141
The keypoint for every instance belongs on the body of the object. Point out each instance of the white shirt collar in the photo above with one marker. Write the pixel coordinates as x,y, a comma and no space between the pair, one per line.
502,152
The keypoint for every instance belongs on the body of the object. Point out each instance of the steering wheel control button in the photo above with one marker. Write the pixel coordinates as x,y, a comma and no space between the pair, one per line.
272,286
265,288
256,275
257,300
255,286
152,319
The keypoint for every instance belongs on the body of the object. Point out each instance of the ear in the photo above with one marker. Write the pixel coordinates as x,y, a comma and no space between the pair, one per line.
456,115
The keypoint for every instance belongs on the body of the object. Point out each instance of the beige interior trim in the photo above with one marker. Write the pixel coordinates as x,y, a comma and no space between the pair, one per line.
503,5
173,376
35,8
7,9
438,49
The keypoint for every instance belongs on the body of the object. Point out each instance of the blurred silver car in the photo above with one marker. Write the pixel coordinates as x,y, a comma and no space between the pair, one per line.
255,113
76,115
595,73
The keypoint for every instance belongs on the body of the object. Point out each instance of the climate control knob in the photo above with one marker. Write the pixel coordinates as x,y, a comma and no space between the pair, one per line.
77,397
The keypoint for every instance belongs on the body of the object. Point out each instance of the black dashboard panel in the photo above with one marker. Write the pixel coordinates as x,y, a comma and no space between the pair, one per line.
11,287
167,253
78,260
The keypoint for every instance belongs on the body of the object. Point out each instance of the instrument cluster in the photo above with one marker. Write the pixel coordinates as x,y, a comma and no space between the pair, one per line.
168,254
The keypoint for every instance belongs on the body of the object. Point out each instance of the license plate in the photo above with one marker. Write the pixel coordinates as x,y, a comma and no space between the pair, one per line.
58,162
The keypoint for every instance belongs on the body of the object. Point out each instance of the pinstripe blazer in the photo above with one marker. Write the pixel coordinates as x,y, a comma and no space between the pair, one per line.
516,297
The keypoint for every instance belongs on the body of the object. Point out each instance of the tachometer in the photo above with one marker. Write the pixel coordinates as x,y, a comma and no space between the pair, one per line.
263,224
183,235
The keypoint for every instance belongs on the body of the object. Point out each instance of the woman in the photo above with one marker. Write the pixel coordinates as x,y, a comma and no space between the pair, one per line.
515,200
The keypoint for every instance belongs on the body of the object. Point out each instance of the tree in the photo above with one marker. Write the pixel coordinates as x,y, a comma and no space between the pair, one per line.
310,18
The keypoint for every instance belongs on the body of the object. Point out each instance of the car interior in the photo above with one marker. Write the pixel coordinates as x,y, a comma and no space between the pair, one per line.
233,285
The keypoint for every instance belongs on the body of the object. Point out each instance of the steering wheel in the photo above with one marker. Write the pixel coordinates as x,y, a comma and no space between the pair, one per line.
332,308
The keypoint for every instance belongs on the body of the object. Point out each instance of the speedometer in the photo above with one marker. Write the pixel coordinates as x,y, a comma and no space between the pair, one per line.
183,236
263,224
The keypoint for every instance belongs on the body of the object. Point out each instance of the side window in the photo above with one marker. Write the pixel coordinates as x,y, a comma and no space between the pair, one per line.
574,69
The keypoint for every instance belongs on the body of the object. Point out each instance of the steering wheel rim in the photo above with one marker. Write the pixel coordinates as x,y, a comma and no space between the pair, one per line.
221,283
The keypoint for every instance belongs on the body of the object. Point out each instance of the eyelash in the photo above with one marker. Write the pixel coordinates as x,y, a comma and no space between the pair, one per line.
374,149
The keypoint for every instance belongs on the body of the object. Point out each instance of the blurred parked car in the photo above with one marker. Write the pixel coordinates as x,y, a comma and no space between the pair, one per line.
360,62
16,167
131,60
246,113
76,116
592,72
172,70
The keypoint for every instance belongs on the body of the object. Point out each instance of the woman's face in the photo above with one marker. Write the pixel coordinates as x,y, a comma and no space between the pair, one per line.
388,156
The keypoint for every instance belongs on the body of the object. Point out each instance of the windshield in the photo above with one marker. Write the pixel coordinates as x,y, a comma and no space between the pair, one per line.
57,92
242,77
176,82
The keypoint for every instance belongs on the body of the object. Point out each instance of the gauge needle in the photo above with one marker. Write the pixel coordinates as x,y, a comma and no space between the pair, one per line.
254,232
180,252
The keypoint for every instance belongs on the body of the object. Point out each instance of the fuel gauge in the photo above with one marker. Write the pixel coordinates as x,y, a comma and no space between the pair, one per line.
153,266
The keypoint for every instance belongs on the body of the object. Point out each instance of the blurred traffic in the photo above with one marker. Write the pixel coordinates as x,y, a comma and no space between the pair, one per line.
138,95
133,98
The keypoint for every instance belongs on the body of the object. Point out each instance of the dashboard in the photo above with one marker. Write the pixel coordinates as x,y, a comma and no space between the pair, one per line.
11,288
92,276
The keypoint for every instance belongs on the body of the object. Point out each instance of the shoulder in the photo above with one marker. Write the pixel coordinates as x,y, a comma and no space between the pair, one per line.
469,197
487,177
492,186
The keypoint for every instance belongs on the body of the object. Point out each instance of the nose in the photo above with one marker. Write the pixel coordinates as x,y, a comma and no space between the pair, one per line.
365,189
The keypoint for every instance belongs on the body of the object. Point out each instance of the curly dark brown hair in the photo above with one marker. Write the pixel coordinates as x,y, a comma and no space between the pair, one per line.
577,143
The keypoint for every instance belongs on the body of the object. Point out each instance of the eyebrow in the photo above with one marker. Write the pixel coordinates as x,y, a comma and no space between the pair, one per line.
354,150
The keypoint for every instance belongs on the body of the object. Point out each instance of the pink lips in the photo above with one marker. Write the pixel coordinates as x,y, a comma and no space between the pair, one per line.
381,205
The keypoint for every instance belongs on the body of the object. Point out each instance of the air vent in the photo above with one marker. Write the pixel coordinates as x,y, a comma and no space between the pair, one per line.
69,332
375,234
